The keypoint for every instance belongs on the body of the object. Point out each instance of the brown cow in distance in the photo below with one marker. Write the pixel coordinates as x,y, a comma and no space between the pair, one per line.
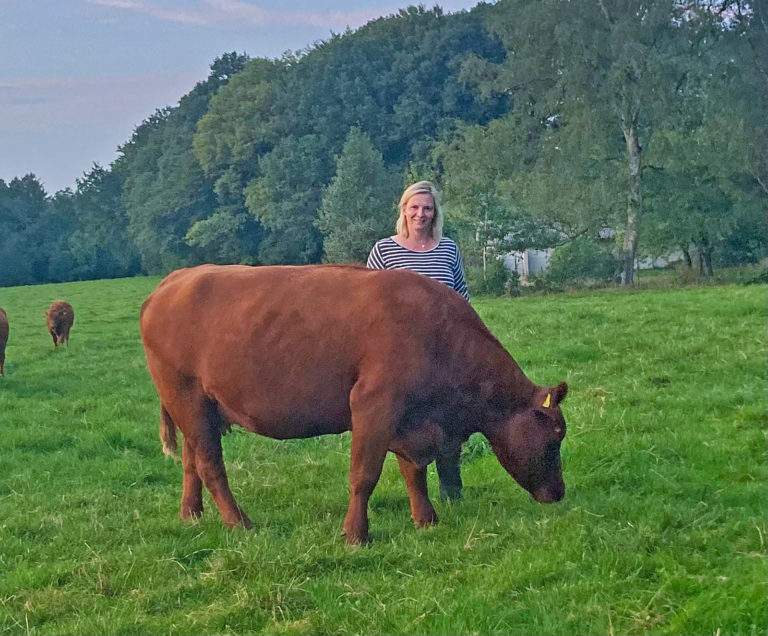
3,338
398,359
59,318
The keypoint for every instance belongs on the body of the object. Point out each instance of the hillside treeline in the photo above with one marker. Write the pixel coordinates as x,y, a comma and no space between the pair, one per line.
611,130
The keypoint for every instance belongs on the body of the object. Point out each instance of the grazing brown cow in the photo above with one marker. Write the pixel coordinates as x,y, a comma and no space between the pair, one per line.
397,358
3,338
59,317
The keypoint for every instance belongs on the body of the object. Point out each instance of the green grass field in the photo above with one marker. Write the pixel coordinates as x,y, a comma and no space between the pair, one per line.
662,530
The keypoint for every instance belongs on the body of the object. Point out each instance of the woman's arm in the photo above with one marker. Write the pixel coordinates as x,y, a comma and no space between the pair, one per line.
460,282
375,260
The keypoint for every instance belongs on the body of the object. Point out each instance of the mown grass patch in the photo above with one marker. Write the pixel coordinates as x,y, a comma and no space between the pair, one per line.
662,530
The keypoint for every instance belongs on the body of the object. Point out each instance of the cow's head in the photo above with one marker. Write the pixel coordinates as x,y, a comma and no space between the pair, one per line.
528,444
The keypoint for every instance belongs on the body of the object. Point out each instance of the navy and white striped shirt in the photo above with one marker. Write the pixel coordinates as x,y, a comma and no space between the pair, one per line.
443,262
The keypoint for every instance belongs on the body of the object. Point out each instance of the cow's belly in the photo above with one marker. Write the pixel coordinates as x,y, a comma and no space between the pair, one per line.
296,426
288,411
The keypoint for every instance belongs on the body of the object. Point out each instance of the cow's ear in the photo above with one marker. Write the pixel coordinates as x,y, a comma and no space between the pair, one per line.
559,393
550,398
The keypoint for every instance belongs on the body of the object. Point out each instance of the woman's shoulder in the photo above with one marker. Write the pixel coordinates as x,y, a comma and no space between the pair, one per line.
386,242
448,242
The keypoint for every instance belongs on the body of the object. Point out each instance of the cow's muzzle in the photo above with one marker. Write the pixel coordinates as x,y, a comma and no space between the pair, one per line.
549,494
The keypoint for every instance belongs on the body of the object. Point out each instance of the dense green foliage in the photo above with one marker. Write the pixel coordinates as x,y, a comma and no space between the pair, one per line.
541,121
359,205
662,530
581,259
165,190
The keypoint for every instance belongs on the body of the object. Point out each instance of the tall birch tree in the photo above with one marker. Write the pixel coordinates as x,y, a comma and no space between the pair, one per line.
618,63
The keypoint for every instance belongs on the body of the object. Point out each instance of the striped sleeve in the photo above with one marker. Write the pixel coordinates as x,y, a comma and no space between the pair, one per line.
460,282
375,260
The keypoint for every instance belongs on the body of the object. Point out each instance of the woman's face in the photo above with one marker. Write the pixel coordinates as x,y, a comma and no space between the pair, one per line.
419,212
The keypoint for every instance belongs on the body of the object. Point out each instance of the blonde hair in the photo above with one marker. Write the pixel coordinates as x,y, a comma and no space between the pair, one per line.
421,187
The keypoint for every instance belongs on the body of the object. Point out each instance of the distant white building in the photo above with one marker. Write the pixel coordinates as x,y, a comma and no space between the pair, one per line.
659,262
527,262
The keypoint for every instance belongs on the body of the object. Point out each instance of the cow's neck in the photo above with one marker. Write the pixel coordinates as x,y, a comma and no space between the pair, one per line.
503,386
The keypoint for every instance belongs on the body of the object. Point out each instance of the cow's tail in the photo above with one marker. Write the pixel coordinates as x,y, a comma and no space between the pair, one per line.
168,434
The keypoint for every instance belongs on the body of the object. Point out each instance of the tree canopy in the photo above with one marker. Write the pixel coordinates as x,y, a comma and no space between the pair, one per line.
543,123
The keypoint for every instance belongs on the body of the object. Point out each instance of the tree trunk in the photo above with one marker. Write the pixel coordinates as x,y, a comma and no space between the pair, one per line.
634,202
705,254
485,246
708,263
687,255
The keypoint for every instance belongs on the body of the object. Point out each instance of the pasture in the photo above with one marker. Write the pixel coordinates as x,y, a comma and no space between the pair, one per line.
662,530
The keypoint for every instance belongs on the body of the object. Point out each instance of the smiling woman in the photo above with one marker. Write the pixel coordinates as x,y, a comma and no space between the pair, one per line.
419,245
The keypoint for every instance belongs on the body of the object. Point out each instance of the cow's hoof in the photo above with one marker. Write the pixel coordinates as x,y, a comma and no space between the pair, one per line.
356,539
425,520
242,521
191,513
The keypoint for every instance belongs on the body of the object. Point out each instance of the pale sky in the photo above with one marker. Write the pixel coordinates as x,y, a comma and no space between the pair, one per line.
79,75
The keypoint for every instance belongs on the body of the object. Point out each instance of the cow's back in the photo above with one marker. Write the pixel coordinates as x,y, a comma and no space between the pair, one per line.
286,344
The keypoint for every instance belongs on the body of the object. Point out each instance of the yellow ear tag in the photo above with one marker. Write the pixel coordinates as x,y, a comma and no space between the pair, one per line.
547,402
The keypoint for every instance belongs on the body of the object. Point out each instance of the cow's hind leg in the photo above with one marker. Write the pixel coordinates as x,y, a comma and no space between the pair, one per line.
415,477
201,424
192,497
209,461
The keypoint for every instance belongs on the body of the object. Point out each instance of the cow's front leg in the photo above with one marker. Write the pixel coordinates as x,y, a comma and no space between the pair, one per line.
416,481
367,460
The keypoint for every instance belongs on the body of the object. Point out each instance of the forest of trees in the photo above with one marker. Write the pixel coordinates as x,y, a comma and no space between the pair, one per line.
543,123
